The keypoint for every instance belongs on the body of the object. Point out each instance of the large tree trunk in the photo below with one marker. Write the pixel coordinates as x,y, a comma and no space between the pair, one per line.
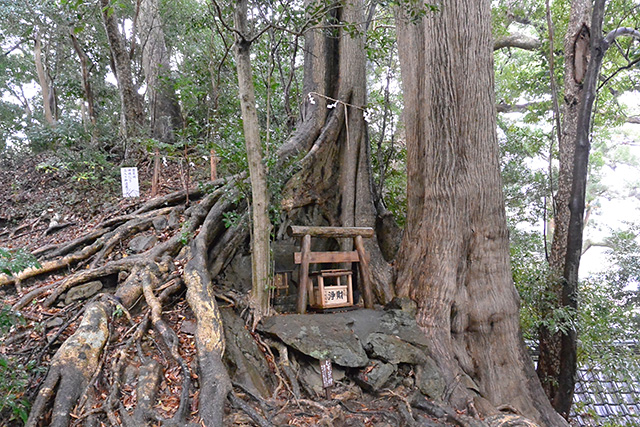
454,259
576,48
132,109
260,247
164,110
335,178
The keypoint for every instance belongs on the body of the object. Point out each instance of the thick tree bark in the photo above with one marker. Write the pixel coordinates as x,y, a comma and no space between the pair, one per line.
336,172
454,259
260,247
164,110
132,110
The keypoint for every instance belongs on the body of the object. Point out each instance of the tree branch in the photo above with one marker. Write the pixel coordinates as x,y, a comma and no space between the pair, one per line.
588,244
503,107
626,67
224,23
16,46
552,74
624,31
520,41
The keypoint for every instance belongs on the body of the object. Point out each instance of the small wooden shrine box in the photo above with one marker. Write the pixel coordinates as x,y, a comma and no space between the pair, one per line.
333,288
324,295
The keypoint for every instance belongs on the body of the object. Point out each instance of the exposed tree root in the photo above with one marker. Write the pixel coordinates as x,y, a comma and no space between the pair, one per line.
214,379
56,250
290,380
170,339
73,366
52,266
71,369
104,238
57,334
186,258
128,229
247,409
146,391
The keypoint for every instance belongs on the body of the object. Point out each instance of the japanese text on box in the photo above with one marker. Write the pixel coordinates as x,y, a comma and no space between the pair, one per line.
335,296
130,186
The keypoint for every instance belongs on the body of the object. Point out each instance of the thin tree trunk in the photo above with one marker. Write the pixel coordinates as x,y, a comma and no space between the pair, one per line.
598,46
86,82
260,259
132,109
43,80
454,258
550,341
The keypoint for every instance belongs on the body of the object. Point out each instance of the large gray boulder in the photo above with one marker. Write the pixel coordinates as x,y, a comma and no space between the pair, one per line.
320,336
381,343
392,349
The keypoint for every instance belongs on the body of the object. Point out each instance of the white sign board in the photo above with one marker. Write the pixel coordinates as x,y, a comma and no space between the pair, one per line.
130,186
335,295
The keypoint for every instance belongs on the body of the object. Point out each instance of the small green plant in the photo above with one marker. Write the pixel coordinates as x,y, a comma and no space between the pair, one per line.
12,262
13,382
184,233
53,166
14,376
231,219
118,311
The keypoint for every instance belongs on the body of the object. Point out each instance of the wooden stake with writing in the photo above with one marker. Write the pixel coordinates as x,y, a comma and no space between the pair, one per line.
326,371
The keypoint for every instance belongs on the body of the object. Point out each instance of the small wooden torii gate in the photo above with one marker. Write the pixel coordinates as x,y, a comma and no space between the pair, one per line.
306,257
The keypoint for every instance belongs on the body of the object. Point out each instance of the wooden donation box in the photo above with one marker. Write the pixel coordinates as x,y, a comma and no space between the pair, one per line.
331,288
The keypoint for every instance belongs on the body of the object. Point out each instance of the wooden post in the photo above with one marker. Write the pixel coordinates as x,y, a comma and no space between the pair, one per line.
306,257
304,274
367,296
323,302
156,173
337,232
213,161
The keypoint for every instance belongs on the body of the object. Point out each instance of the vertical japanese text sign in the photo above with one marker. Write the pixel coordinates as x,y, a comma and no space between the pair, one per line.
130,186
327,373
